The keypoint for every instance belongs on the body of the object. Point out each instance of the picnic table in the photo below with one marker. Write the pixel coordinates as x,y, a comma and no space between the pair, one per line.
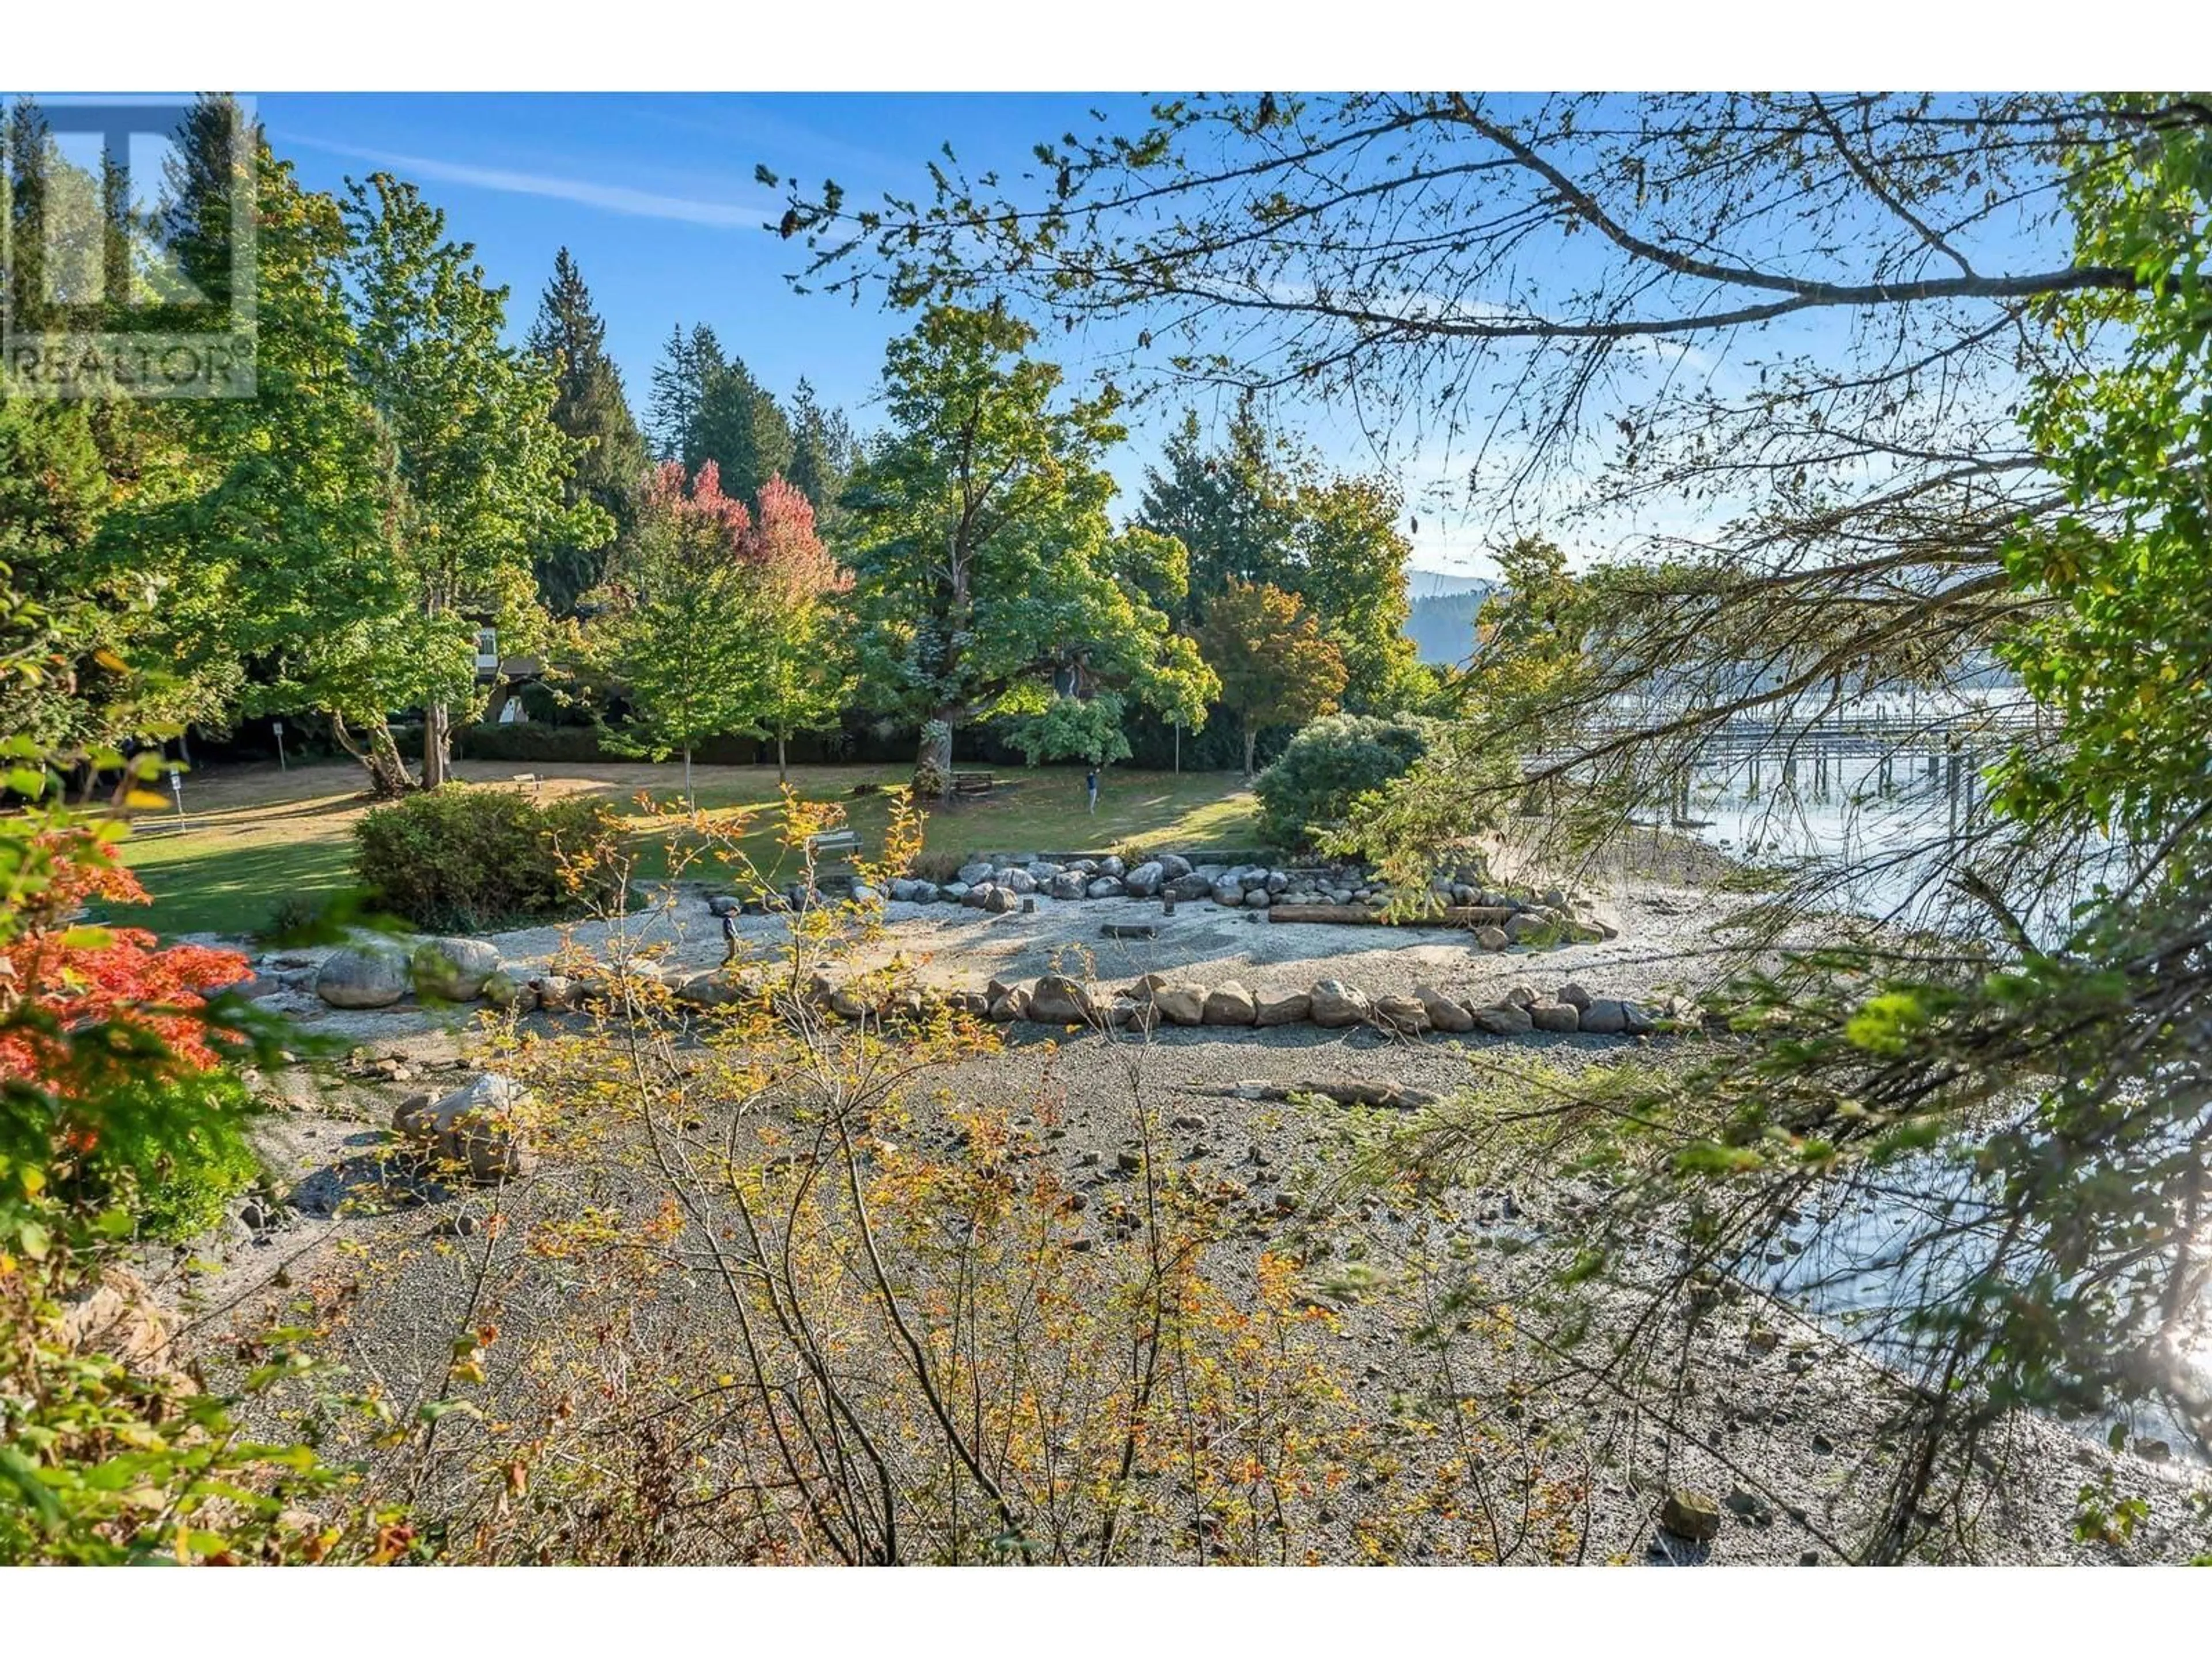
968,786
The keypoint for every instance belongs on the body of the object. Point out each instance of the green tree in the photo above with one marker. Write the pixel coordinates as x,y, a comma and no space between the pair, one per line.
1348,564
1260,509
1276,666
483,471
262,525
688,364
741,429
53,494
1233,508
824,453
983,560
569,337
680,631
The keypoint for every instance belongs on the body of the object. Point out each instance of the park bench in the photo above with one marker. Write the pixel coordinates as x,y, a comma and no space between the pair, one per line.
969,786
833,852
529,781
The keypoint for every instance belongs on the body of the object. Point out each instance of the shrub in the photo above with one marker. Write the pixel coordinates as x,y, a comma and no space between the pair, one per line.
1328,766
458,859
176,1161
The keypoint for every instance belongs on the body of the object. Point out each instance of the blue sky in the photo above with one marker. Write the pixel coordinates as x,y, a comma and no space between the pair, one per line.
655,196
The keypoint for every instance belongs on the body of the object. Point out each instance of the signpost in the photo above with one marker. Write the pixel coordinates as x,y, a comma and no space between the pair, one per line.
282,764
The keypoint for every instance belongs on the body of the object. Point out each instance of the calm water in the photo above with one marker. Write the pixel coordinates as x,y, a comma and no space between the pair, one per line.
1881,825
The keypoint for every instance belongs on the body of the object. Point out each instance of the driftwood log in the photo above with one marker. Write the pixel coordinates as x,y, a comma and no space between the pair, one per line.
1360,915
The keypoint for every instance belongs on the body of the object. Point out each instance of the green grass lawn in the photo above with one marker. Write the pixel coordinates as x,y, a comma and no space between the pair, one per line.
253,835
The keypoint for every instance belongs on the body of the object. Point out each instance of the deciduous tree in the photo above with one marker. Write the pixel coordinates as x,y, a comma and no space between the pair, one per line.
680,622
1276,666
983,558
482,470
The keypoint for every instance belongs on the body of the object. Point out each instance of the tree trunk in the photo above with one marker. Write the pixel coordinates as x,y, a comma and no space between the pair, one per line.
379,757
1250,737
782,773
437,736
690,804
933,765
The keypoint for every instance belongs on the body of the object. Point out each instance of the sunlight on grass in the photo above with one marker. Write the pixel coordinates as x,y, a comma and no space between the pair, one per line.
254,837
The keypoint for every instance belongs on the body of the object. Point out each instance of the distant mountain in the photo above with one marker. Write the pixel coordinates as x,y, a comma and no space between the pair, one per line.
1441,624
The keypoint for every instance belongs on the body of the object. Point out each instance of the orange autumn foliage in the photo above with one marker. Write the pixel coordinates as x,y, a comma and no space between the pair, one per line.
59,980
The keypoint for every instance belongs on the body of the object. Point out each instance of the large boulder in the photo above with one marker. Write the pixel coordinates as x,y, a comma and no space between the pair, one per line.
1505,1019
1187,887
1010,1005
557,993
1573,995
1111,865
1613,1016
452,969
1337,1005
1257,898
719,987
1491,939
1444,1013
1000,900
364,976
1057,999
1105,887
1555,1017
1606,1016
1017,881
478,1128
1145,880
1691,1514
1522,928
1230,1003
971,874
1229,892
1180,1005
1282,1008
1067,885
1402,1014
1174,866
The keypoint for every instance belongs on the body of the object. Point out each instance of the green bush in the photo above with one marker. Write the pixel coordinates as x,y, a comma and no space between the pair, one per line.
177,1156
1328,766
461,858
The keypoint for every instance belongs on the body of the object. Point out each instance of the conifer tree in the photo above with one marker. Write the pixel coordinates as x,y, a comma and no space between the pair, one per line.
591,406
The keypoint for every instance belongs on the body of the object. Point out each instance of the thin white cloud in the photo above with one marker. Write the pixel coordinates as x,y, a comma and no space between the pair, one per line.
722,214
